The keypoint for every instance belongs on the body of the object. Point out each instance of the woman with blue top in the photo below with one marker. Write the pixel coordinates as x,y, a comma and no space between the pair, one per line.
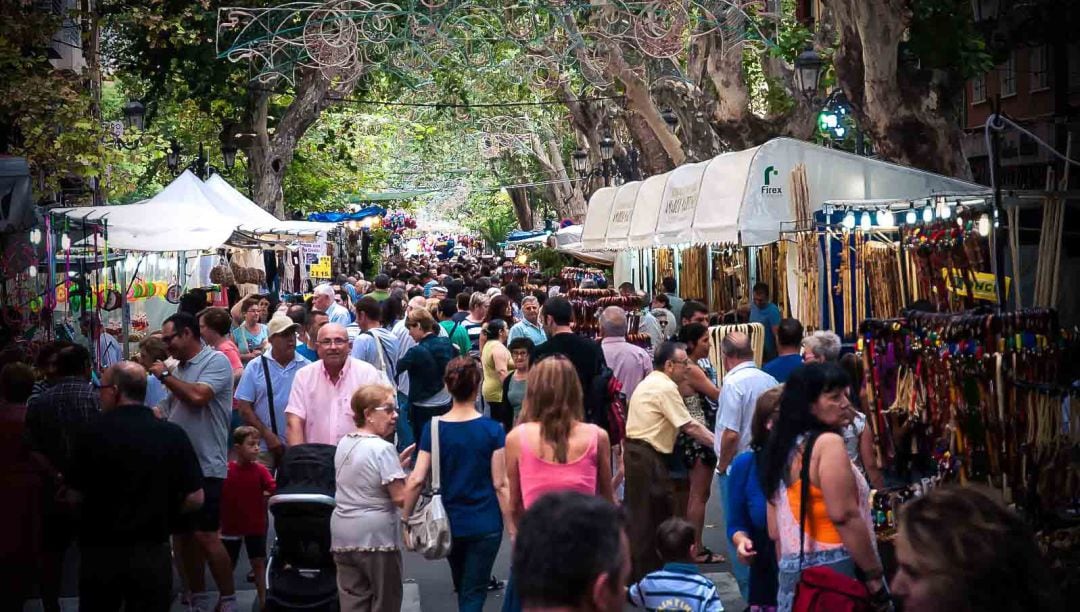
746,511
474,486
250,336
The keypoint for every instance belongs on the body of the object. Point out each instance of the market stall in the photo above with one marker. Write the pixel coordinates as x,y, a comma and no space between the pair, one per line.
720,225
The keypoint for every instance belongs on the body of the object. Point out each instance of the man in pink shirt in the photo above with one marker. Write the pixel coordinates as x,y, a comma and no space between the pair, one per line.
630,363
319,410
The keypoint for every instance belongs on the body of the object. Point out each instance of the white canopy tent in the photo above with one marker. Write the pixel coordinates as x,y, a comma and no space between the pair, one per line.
179,218
251,217
744,197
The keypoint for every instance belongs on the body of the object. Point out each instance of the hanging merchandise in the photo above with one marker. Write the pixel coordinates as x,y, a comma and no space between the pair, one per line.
693,282
976,397
756,331
807,271
665,266
576,275
882,265
730,282
772,270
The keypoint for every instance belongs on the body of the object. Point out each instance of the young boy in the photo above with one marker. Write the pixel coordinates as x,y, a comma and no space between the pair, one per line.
243,505
678,586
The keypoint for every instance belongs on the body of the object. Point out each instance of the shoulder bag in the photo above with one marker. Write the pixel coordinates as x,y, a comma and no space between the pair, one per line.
821,588
427,529
270,408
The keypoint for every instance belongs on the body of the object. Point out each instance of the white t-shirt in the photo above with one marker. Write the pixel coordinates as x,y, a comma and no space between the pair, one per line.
365,518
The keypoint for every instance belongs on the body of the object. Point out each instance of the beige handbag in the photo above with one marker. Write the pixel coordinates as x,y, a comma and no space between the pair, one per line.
427,530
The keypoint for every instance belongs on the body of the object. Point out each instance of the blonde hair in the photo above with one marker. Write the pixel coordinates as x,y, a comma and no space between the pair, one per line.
553,398
367,397
421,317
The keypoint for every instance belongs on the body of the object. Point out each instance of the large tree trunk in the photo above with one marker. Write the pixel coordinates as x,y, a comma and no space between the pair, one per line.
519,197
905,112
270,155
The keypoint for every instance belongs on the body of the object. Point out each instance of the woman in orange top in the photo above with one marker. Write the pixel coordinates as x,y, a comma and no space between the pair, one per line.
839,533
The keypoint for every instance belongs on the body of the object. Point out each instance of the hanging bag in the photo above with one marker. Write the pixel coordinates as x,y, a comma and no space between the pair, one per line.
820,588
270,405
427,529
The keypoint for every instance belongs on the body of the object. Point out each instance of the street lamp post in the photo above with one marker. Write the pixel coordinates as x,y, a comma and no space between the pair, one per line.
809,67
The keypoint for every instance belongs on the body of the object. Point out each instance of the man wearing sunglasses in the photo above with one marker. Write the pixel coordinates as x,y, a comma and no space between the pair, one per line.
200,402
319,409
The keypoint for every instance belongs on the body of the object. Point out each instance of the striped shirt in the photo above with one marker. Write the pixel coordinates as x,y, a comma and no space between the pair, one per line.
678,586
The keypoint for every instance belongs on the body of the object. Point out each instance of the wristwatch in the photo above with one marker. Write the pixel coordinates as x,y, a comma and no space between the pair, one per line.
164,374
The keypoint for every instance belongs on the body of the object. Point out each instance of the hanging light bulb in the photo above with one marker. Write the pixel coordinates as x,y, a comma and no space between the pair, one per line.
885,218
65,242
849,220
927,214
910,218
944,210
864,222
35,236
984,225
32,270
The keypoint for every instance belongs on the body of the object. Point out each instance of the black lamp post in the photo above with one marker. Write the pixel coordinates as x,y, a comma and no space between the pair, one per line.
809,67
172,156
134,115
607,148
580,161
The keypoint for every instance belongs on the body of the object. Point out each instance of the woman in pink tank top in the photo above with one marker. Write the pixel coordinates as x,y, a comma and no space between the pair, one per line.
553,448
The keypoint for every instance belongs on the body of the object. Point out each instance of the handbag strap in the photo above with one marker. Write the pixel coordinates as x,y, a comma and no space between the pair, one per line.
804,492
269,395
436,483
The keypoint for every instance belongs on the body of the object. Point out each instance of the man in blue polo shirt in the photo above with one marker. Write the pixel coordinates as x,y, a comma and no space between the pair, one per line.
765,312
253,395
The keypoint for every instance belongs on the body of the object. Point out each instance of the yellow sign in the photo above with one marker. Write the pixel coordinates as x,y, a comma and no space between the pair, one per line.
982,288
321,269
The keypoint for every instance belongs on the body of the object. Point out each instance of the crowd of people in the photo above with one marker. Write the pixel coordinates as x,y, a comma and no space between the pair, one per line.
473,370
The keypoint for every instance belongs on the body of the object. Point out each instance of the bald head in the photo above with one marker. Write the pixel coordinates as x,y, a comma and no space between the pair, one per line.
127,382
418,302
736,346
333,346
613,322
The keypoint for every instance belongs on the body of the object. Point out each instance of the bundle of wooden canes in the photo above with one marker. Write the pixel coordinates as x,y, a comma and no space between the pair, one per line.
806,246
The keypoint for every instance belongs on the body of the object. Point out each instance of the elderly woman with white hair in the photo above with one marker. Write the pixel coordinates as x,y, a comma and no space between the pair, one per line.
821,346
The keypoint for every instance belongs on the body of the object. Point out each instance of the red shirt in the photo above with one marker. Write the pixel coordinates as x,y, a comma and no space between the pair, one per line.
243,503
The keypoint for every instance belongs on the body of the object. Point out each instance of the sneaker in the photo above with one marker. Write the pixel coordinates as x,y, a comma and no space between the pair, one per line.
228,604
201,602
495,584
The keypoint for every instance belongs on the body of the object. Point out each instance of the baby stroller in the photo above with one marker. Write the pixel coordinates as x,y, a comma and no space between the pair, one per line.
300,572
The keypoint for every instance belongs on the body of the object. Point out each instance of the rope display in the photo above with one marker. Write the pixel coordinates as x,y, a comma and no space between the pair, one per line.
756,331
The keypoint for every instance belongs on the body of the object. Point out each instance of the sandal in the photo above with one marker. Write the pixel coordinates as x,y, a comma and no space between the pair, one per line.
708,557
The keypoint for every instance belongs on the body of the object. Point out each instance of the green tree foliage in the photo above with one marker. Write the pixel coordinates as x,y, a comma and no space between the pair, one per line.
45,114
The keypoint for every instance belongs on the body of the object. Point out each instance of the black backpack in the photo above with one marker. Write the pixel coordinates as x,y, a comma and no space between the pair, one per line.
605,405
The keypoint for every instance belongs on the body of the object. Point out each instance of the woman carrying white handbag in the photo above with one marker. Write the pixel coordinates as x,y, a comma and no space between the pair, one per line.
473,487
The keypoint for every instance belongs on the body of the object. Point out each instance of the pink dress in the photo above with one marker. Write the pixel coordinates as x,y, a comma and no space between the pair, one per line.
539,477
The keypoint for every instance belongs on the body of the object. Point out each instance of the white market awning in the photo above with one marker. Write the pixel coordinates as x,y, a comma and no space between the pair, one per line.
251,217
745,196
179,218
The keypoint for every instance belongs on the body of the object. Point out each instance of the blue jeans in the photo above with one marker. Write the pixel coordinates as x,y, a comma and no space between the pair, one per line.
404,429
740,571
471,559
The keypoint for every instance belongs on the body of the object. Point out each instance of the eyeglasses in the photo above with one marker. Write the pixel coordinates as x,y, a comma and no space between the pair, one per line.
333,342
385,408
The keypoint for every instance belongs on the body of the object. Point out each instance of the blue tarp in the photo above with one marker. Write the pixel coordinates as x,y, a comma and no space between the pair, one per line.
338,217
519,235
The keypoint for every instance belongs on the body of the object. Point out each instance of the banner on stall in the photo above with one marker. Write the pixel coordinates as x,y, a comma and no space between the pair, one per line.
320,269
984,286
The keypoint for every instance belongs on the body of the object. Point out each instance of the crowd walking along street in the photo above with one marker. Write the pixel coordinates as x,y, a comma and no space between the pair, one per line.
542,306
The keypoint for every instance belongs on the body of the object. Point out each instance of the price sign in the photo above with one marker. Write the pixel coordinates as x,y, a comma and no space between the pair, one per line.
320,269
